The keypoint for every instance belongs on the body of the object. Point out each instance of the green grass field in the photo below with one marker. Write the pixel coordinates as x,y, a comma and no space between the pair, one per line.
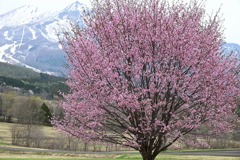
5,140
8,156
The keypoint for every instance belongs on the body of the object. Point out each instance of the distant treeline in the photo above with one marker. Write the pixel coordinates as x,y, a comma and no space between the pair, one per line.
27,79
17,72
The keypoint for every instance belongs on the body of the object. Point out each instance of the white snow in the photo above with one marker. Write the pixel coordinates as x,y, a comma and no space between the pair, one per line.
60,46
33,33
45,36
49,16
52,31
36,70
77,6
29,47
5,34
55,27
21,38
3,51
28,20
7,56
19,16
11,60
13,48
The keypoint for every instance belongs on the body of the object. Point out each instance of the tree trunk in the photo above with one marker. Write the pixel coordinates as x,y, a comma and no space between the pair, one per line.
28,136
147,156
85,146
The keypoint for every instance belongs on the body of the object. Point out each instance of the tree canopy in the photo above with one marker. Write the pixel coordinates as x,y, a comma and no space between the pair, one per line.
145,73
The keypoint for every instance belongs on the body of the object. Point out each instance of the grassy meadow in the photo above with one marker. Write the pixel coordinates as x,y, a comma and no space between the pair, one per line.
9,156
5,132
31,154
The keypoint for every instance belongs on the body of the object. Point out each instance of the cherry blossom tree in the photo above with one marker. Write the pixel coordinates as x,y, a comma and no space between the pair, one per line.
145,73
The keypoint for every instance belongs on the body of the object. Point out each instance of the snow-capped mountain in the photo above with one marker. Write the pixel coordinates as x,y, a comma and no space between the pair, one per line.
20,16
232,48
29,38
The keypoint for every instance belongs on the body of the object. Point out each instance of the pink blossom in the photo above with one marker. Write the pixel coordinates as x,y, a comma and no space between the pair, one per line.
145,73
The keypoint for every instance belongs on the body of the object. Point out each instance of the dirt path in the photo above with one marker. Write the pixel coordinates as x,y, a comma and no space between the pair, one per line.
224,153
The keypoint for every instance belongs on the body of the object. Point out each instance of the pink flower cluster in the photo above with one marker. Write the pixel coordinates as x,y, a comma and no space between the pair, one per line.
146,73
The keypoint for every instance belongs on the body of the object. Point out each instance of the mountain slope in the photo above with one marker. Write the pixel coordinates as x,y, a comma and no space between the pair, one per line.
33,43
16,72
232,48
20,16
21,80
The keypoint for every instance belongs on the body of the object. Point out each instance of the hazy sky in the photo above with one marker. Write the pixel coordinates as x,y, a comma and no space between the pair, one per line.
43,5
230,10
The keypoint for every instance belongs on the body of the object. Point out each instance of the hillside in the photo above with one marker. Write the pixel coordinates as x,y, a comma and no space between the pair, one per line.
16,72
26,79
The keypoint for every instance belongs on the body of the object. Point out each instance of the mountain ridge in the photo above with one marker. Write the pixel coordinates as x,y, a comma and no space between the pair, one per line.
27,13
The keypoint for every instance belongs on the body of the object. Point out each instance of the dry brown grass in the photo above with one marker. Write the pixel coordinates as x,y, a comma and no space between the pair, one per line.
5,133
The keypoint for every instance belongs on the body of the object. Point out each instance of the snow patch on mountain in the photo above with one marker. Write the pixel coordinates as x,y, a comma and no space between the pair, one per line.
20,16
77,6
13,47
2,52
33,33
29,37
51,30
7,52
21,40
233,49
6,36
30,47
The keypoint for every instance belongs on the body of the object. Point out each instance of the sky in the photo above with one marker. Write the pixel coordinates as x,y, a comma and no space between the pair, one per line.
43,5
230,10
